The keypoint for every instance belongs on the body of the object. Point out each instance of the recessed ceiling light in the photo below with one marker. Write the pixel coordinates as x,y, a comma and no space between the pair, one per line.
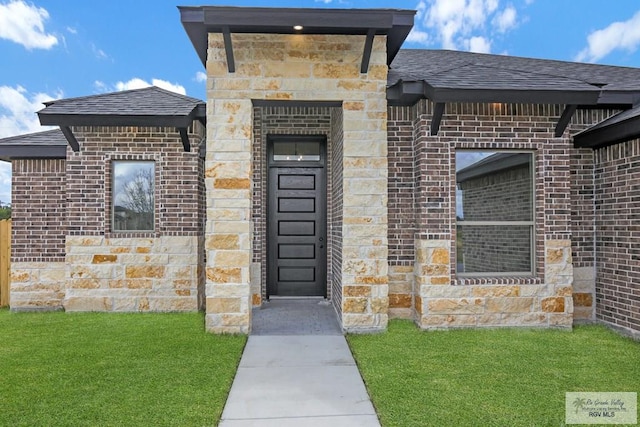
297,27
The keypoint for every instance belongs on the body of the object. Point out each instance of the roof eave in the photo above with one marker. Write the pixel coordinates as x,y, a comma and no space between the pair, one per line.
535,96
53,119
198,22
604,136
9,153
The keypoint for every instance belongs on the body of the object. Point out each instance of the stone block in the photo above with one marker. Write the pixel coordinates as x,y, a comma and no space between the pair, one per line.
222,241
495,291
354,305
510,304
552,305
232,183
379,305
455,306
87,304
355,322
101,259
400,300
582,299
356,291
437,321
144,271
223,305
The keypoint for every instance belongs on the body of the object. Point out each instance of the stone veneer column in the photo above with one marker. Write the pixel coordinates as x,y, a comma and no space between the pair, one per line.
559,279
296,68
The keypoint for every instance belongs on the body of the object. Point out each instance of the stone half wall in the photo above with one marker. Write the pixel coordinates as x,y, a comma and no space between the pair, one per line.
297,68
498,302
132,274
37,285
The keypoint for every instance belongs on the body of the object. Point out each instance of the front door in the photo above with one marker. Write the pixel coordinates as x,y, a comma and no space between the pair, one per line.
297,244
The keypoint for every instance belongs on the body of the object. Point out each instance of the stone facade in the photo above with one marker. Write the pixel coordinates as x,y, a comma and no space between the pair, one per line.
310,68
64,253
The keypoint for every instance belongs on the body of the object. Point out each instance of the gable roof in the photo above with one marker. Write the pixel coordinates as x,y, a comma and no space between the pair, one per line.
50,144
450,76
151,106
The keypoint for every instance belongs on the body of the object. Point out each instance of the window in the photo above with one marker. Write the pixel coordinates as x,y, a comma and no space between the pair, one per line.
133,195
495,213
296,151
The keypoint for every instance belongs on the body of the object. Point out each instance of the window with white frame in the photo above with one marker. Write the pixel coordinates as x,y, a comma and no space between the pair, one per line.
133,188
494,213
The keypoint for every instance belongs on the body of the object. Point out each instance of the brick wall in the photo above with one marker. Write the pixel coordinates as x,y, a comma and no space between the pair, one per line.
543,299
39,210
39,227
178,210
400,190
617,202
74,260
582,217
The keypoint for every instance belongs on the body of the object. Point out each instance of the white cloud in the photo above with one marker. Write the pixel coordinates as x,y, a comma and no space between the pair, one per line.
138,83
23,23
418,36
618,35
506,20
201,77
99,53
479,45
18,110
18,116
72,30
462,24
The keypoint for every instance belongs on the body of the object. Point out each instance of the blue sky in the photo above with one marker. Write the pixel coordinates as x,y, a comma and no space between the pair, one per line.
52,49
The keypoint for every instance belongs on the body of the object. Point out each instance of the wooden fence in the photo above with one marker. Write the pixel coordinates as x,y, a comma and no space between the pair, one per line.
5,261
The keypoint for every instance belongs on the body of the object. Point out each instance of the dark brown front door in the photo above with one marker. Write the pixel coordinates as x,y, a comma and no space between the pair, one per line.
297,223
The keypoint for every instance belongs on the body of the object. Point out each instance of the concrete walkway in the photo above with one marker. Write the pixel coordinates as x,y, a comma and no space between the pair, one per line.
298,379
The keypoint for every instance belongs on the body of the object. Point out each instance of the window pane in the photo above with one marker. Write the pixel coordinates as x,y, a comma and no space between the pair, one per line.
493,248
133,196
296,151
494,186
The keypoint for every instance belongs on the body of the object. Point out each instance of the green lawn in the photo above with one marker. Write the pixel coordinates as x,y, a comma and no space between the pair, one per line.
107,369
490,377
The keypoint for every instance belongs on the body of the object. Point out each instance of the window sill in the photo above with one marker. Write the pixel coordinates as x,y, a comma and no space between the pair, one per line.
513,280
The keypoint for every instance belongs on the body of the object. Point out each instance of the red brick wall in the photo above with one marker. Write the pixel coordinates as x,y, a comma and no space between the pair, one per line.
39,215
178,179
617,201
401,186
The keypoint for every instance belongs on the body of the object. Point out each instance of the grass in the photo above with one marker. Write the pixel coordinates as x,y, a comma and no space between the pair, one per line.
489,377
113,369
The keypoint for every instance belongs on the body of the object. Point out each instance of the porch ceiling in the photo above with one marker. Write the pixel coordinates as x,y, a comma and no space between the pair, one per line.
199,21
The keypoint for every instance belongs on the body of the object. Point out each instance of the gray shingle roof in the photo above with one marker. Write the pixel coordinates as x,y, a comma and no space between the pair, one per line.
39,145
148,106
422,64
456,70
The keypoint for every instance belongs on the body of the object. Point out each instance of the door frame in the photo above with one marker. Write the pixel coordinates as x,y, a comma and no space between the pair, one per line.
323,226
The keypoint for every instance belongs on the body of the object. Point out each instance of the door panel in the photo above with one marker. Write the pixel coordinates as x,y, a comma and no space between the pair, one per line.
297,231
